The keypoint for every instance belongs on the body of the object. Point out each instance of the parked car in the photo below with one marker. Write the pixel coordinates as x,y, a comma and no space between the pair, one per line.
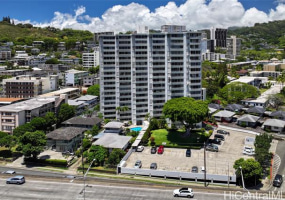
214,141
16,180
153,166
194,169
223,132
202,169
9,172
67,153
278,180
183,192
188,152
219,137
138,164
160,149
140,148
153,150
248,151
212,148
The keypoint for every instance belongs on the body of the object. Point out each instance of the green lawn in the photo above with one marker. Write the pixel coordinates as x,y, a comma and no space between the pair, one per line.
178,139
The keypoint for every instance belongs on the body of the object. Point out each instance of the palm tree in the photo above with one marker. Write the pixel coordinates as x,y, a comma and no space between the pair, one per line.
121,109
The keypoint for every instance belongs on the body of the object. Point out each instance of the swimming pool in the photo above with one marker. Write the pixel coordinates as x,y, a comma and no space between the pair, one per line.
136,129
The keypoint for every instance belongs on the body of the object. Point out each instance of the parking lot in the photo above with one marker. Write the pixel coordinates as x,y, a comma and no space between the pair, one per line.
174,159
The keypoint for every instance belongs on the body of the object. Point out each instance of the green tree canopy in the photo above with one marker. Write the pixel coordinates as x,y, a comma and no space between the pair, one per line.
237,91
22,129
94,70
8,141
52,61
186,110
116,156
65,112
39,123
33,143
251,170
262,146
94,90
99,153
50,119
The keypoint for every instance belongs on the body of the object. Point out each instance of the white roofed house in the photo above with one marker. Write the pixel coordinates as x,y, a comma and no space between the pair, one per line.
224,116
275,125
113,141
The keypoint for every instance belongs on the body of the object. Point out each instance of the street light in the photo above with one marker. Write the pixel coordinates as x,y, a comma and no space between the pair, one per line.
84,176
243,180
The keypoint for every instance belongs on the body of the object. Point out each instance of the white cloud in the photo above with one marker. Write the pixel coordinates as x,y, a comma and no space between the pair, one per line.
195,14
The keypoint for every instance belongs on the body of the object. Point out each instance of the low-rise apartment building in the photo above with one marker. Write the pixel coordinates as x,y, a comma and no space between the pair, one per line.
28,86
74,77
14,115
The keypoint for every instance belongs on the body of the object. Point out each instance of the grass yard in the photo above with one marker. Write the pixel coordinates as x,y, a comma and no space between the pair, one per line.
177,138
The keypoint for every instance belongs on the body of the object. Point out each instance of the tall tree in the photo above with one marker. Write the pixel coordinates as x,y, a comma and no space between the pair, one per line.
251,170
33,143
99,153
186,110
22,129
94,90
65,112
39,123
116,156
50,119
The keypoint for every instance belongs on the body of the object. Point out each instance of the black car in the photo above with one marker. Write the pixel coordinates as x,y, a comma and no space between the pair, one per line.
188,153
153,150
278,180
194,169
223,132
219,137
214,141
153,166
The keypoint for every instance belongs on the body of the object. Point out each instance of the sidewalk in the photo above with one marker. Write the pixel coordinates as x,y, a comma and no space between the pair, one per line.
237,129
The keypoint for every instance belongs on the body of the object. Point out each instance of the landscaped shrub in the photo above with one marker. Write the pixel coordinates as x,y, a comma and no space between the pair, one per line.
152,141
54,162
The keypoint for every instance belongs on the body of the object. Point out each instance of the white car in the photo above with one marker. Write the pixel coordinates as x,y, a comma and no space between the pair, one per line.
183,192
9,172
140,148
248,151
138,164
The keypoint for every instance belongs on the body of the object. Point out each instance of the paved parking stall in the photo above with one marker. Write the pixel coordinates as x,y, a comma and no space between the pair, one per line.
174,159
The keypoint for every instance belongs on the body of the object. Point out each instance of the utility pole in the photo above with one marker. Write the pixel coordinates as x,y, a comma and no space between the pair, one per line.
205,168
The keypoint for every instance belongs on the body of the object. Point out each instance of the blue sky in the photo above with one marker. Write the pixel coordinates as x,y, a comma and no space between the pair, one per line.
205,12
43,10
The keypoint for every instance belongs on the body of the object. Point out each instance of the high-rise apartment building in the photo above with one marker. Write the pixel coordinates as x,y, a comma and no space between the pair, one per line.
233,47
143,71
219,35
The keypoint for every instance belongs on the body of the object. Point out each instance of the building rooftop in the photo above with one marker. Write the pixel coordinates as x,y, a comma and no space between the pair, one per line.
6,100
83,121
114,141
59,92
274,122
116,125
86,98
65,133
248,118
224,113
29,104
74,71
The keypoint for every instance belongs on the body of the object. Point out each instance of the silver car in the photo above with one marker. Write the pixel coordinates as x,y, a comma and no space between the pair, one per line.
16,180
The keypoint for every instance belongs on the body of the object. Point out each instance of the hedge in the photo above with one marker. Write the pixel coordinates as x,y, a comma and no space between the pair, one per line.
55,162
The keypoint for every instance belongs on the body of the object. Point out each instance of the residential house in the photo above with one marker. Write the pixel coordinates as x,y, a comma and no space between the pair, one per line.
224,116
275,125
114,127
65,138
234,107
113,141
256,111
248,120
278,115
83,122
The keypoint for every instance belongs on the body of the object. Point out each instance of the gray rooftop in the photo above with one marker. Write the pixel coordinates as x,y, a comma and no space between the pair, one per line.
111,140
65,133
86,98
28,104
83,121
258,110
114,125
248,118
274,122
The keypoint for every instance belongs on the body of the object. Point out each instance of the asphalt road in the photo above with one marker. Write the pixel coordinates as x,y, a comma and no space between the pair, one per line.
281,153
69,189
